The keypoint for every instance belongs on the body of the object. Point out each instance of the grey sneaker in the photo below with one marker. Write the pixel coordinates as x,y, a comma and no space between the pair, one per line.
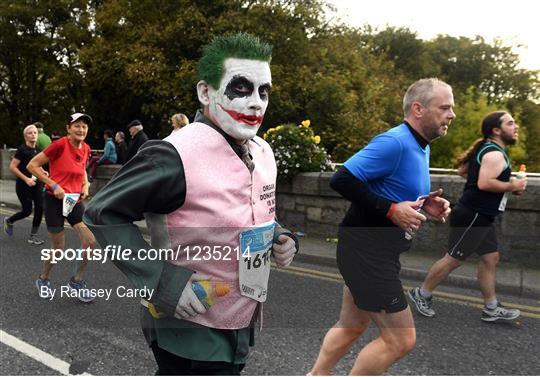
84,294
423,304
35,239
500,312
44,288
8,227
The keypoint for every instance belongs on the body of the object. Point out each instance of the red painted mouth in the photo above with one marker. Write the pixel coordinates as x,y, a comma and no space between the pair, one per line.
251,120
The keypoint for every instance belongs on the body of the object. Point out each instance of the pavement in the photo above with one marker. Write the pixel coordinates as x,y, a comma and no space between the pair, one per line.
512,278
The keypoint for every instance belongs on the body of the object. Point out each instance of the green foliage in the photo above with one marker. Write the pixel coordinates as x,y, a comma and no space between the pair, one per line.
348,93
296,149
39,68
119,60
410,54
493,68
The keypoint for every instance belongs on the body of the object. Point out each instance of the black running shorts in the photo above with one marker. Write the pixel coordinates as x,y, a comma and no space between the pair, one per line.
368,259
54,217
471,232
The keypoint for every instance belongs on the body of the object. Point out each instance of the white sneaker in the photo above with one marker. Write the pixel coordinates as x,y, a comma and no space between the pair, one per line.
423,305
35,239
500,312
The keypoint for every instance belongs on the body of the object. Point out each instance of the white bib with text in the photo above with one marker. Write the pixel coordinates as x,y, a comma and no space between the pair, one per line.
254,261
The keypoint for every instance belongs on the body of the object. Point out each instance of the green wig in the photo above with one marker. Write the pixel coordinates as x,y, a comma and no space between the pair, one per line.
240,46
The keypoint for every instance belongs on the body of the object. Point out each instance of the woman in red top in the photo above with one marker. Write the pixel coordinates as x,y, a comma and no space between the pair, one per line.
67,158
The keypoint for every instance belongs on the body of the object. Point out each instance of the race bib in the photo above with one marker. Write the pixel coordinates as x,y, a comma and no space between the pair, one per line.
502,204
69,203
254,262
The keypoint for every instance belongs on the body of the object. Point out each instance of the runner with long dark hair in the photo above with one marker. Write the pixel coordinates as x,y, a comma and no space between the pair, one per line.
472,230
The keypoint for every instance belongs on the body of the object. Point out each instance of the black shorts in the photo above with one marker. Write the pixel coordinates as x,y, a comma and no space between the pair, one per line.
471,232
54,217
368,259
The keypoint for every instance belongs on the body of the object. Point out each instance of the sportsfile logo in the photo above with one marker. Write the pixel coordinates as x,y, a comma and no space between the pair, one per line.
196,253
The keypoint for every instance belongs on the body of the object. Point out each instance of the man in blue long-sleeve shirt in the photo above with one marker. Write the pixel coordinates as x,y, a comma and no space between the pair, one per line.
108,157
387,183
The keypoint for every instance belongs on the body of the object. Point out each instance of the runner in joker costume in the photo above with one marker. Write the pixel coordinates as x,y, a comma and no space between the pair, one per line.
203,189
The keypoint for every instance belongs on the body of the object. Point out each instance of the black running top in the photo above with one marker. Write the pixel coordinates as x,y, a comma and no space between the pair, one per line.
484,202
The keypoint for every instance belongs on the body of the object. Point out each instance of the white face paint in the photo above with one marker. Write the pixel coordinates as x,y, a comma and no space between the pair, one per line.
238,106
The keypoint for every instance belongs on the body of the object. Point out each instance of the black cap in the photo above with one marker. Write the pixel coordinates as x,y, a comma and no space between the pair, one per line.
75,117
134,123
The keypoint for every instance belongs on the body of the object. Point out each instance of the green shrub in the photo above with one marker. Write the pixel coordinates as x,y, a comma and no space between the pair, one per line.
297,150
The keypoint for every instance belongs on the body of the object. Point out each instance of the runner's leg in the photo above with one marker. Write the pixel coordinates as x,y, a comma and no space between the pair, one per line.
58,241
439,271
87,241
397,338
487,267
352,323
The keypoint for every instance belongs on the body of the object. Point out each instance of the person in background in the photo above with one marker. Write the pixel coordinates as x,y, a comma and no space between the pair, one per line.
138,138
121,148
108,157
43,139
66,187
178,121
28,189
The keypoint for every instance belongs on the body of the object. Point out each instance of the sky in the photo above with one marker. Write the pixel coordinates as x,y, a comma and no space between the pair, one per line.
515,22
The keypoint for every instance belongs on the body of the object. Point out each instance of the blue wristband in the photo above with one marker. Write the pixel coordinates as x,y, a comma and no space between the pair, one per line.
55,186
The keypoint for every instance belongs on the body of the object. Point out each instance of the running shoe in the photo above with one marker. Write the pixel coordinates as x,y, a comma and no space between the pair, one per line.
44,288
500,312
423,304
8,227
35,239
84,294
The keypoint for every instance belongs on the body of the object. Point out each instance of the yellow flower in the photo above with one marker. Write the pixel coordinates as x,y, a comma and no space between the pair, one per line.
316,139
306,123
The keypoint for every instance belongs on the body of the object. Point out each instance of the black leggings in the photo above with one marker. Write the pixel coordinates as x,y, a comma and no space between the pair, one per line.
172,365
27,195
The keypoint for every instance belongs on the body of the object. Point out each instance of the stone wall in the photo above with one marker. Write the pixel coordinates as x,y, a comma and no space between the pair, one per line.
103,174
309,205
5,159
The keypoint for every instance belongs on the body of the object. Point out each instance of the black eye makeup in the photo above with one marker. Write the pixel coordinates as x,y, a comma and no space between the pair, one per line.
239,86
264,91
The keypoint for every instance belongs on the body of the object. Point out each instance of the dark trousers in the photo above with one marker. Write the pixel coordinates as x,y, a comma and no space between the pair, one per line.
93,165
28,195
169,364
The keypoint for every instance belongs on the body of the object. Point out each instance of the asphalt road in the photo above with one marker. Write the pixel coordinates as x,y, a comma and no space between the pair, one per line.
104,337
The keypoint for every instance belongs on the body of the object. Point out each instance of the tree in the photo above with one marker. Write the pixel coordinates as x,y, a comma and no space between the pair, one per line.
120,59
38,56
493,68
402,46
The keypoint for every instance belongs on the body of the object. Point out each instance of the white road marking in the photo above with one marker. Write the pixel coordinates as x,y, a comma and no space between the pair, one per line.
35,353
